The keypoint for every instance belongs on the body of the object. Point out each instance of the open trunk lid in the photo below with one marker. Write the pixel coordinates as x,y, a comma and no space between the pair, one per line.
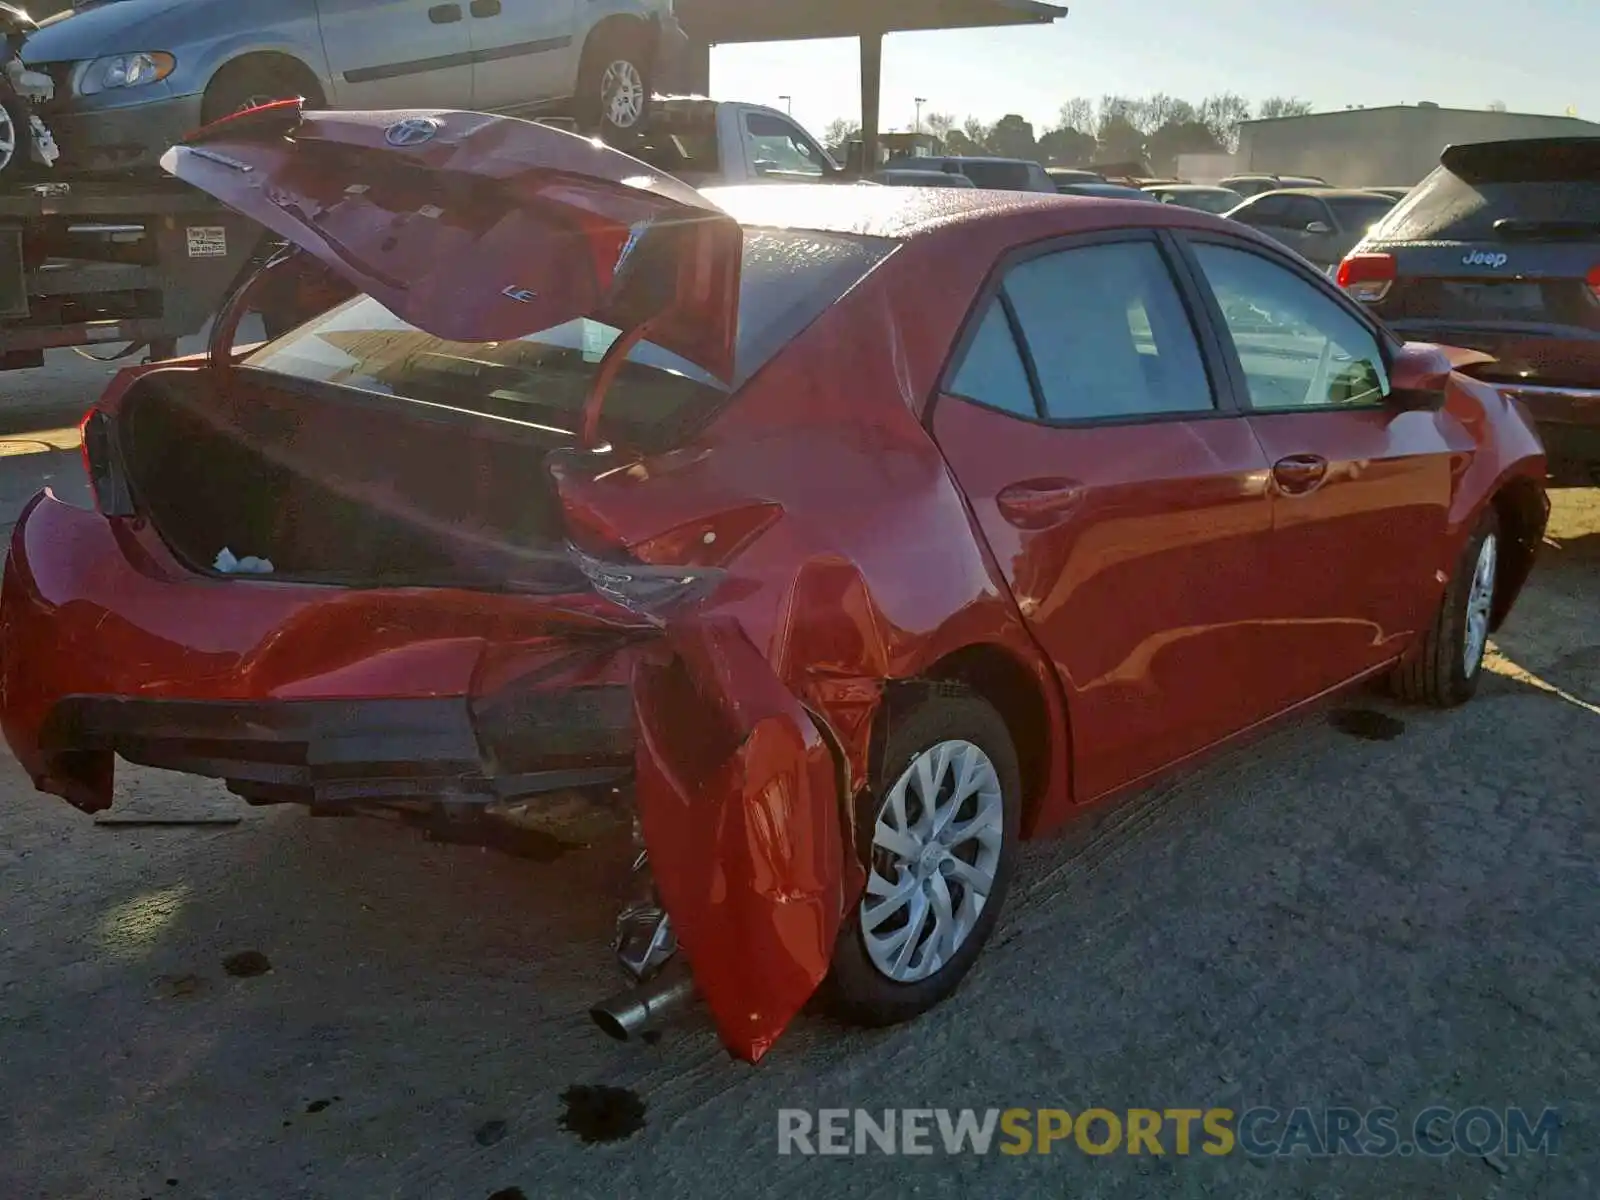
482,228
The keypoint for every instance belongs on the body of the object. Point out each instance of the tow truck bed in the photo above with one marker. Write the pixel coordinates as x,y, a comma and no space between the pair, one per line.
140,261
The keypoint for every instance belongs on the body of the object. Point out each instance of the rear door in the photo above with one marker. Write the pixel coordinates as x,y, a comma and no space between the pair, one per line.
1360,490
1499,250
1123,497
398,53
524,51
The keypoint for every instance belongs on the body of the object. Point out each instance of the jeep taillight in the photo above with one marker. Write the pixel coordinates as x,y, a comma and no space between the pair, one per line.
1593,280
1367,277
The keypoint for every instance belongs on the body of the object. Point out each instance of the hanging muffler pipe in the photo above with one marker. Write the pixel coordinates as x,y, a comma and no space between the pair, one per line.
645,1007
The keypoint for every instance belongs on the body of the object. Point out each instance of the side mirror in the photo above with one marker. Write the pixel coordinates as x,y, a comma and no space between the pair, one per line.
1418,377
1319,227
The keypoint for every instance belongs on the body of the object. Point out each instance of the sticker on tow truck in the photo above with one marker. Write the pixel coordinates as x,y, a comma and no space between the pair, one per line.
207,241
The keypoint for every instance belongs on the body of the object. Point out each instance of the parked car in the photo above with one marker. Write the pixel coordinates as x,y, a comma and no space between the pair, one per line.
132,77
904,177
1001,174
1321,223
1061,175
798,525
1499,250
1217,200
1105,191
1254,185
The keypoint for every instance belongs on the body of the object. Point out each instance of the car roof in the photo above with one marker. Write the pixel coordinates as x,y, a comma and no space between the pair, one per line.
1324,193
1186,187
904,213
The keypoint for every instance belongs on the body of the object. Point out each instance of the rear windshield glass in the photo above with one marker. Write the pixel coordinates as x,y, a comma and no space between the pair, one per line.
1448,208
1358,212
1000,176
789,279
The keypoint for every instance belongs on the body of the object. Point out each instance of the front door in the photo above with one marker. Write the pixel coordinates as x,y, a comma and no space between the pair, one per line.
1124,502
397,53
1360,490
526,51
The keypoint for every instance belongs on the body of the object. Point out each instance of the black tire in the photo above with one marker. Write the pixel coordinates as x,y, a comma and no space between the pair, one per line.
856,991
627,46
250,83
20,164
1438,674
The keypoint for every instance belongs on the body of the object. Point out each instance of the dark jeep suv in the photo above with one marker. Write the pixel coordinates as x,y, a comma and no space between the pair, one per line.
1499,251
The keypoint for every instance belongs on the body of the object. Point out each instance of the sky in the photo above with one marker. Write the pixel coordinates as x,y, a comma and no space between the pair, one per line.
1534,55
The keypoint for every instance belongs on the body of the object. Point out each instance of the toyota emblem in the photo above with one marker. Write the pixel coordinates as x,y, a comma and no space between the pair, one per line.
412,131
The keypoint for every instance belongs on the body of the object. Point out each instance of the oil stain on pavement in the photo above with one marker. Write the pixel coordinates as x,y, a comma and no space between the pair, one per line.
1367,724
601,1114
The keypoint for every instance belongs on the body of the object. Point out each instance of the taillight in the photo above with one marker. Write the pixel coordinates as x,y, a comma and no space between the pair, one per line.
1367,277
111,496
1593,280
83,447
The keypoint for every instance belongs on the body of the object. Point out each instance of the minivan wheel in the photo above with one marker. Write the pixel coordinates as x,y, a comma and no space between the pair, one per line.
941,848
1445,670
614,82
14,137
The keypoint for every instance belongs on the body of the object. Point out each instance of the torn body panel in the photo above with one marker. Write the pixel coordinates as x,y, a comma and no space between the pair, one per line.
737,795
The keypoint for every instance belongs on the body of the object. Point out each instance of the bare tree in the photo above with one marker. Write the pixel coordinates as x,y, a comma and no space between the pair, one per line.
1152,112
1497,106
939,124
839,133
1221,114
977,131
1283,106
1078,113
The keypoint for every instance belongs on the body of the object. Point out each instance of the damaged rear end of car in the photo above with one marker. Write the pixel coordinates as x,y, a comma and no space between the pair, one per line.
374,566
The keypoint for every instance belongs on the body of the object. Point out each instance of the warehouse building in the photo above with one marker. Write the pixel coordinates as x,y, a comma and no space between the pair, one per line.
1375,147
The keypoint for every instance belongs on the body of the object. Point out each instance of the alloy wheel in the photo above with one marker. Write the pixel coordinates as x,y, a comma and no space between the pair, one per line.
935,851
1480,601
622,94
8,137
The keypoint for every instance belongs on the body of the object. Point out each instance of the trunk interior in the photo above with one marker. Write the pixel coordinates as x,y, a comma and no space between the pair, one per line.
338,486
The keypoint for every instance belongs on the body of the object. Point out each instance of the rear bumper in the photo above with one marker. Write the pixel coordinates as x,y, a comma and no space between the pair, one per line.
294,692
331,753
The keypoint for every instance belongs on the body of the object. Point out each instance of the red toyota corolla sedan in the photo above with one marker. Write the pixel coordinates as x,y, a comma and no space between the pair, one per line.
834,538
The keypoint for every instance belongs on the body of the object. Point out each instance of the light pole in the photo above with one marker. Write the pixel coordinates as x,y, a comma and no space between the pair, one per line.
921,100
788,103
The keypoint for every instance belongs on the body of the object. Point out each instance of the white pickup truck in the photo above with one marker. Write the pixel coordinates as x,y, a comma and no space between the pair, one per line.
711,143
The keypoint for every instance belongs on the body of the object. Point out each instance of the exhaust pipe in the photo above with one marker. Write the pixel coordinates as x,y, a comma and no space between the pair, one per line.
646,1007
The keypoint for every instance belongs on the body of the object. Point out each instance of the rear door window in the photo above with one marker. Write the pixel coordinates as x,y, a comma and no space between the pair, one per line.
1268,212
1108,334
1001,176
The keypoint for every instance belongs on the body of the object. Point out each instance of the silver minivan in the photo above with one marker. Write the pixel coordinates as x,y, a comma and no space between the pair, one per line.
133,76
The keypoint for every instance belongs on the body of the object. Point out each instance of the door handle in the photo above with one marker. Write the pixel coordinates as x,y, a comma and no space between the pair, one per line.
1300,473
1040,503
484,8
444,14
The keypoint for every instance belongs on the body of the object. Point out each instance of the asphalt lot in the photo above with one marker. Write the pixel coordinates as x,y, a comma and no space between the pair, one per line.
1402,918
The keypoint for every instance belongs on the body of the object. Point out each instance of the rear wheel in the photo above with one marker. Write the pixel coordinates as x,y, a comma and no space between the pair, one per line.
942,846
614,80
1445,670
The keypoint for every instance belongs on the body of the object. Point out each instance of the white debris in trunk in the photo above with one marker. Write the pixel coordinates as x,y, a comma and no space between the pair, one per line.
228,564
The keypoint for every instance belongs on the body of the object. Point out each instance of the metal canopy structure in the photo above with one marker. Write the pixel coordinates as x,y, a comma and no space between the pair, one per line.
713,22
